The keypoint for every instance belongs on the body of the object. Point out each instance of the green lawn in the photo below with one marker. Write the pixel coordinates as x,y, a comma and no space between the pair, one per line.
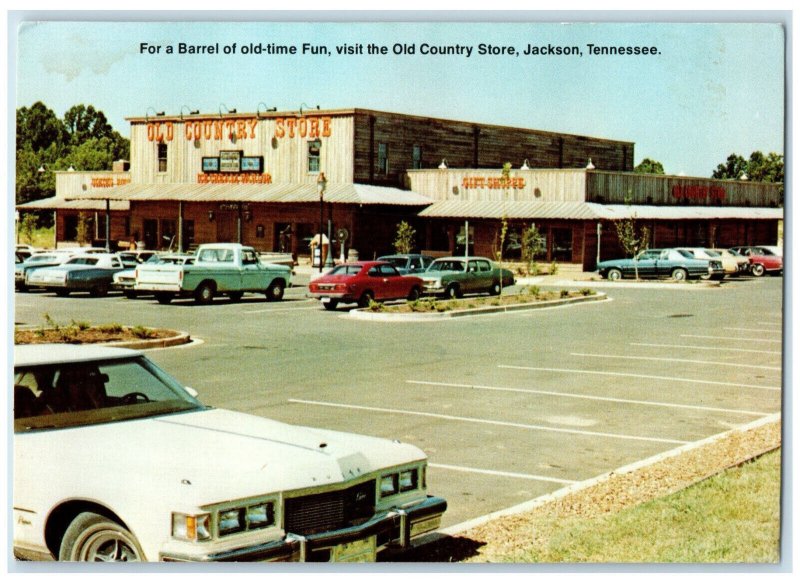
733,517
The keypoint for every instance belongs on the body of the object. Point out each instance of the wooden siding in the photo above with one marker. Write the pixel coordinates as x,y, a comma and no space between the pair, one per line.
74,183
472,145
539,185
285,158
649,189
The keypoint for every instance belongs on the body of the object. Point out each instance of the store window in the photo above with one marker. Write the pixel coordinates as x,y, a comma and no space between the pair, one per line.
162,157
416,158
383,158
313,155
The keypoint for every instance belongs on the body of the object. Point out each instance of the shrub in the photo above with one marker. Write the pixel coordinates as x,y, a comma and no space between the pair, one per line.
553,268
375,306
110,328
587,291
564,293
142,332
81,325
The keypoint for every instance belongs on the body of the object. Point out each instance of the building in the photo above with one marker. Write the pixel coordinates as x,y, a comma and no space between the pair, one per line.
275,180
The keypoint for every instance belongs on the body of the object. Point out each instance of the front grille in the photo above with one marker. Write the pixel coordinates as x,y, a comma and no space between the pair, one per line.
330,510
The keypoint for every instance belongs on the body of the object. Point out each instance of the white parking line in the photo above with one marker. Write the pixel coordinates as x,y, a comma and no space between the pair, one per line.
625,357
706,348
503,474
486,421
769,330
639,376
590,398
731,338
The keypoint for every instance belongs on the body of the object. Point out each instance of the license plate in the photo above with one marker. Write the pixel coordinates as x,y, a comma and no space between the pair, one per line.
358,551
325,299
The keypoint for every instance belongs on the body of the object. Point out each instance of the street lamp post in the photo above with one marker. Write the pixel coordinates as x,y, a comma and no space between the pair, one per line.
322,183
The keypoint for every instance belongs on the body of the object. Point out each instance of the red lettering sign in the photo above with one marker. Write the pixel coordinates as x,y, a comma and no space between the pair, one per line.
493,182
244,178
695,192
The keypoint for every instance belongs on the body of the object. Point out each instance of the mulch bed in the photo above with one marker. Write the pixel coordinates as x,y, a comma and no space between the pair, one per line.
91,335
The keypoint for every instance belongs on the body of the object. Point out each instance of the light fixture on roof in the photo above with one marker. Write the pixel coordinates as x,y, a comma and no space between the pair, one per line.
266,109
590,166
71,169
41,169
221,106
443,165
195,112
525,165
744,176
307,106
157,113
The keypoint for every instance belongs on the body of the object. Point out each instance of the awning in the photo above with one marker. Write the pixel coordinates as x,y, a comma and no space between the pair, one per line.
58,203
348,193
515,210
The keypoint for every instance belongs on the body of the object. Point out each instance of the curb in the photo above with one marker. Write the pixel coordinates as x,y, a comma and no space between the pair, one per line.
180,338
563,492
366,314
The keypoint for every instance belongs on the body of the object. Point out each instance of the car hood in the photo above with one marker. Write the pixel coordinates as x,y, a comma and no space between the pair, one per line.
214,455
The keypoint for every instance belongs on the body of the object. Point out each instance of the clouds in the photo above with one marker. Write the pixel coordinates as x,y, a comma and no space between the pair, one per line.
76,54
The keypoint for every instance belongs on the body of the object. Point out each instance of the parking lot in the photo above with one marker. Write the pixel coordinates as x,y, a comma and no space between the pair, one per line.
508,407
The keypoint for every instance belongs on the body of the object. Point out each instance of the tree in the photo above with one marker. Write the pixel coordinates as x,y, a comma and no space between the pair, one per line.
533,244
404,241
633,237
648,166
83,228
506,174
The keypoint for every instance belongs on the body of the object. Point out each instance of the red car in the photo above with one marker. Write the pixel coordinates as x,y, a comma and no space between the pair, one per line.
363,282
762,259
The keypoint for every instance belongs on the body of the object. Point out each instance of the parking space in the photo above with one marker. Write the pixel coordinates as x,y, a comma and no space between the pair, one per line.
508,407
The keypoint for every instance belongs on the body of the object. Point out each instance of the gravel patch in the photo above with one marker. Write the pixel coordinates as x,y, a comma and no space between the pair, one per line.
505,536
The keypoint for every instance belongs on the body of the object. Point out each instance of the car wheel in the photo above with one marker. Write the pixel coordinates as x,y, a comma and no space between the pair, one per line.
235,296
757,269
679,274
99,291
413,295
204,294
275,291
163,298
95,538
452,291
62,293
365,299
497,289
330,305
614,274
131,295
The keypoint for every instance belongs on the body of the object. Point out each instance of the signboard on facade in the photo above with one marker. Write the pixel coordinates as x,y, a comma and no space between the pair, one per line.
252,163
210,164
230,161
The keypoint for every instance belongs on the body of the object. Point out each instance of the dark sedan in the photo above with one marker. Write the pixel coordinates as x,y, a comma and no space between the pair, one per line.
678,264
362,283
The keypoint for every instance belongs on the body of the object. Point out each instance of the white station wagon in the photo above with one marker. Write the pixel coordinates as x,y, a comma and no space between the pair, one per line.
114,460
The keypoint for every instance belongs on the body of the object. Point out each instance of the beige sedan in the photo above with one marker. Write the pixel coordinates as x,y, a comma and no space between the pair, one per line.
733,263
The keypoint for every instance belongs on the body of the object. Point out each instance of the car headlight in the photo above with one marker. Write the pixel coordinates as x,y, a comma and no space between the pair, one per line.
399,482
191,527
246,518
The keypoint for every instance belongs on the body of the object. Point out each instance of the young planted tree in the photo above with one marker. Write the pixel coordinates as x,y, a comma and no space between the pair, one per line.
83,229
533,245
404,241
633,237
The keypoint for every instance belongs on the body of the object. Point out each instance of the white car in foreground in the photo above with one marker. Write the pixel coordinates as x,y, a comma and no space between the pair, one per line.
116,461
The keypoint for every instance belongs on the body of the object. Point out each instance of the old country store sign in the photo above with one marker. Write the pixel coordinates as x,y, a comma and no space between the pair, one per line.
239,128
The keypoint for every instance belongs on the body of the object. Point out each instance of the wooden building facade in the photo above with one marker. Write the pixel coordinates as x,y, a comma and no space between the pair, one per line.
258,178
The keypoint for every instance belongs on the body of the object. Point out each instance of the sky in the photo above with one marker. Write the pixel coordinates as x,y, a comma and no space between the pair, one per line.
709,91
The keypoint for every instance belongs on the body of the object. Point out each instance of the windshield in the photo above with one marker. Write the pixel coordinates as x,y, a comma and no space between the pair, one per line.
76,394
399,262
446,265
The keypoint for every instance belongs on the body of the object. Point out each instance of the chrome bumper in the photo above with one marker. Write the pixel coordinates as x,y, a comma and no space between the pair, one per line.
393,528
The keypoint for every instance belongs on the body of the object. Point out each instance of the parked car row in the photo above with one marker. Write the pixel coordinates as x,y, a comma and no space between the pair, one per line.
684,263
366,281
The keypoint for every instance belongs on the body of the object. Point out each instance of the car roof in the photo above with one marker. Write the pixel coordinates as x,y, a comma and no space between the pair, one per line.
461,258
44,354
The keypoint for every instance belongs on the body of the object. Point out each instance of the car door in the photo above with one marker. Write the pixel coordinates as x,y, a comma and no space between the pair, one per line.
252,271
393,281
646,263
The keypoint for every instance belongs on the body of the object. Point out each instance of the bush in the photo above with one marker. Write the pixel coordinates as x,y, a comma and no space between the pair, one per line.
142,332
375,306
553,268
564,293
588,291
110,328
